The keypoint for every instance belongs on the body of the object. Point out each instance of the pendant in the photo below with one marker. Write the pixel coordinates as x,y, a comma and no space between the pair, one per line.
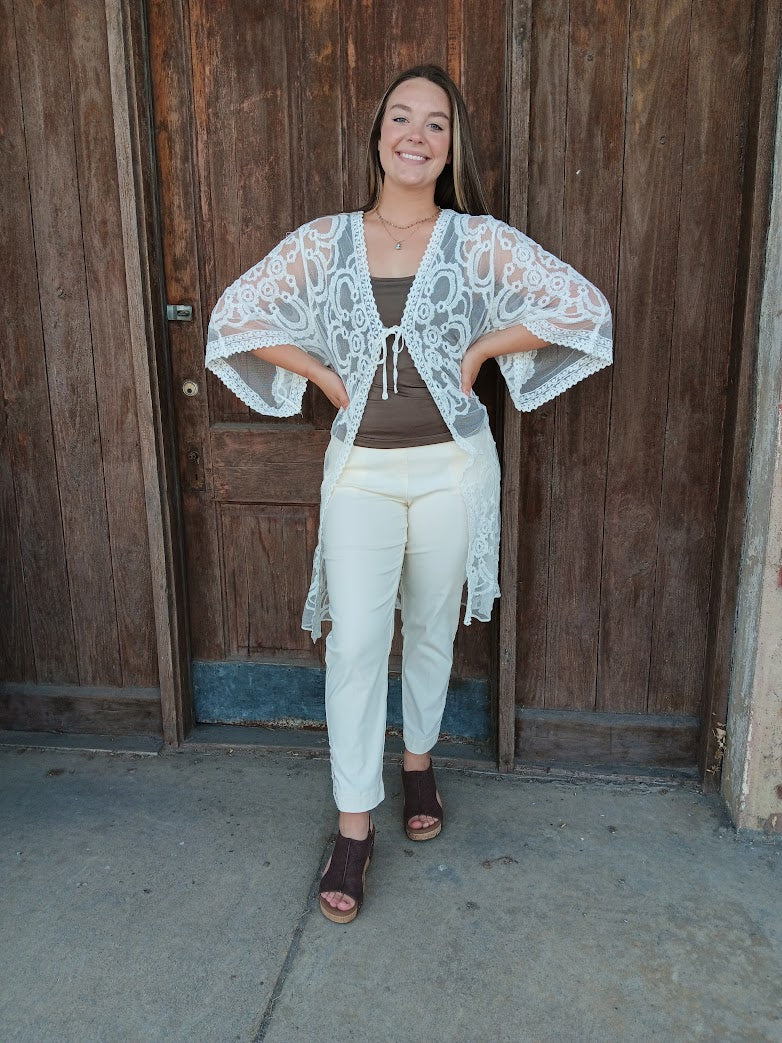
398,246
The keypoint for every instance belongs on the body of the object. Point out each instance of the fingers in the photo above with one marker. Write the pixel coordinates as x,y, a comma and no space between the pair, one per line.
339,397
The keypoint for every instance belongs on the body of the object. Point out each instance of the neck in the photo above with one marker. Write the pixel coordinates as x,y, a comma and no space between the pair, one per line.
405,205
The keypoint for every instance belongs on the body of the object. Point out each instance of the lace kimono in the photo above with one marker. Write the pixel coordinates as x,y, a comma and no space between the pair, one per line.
478,274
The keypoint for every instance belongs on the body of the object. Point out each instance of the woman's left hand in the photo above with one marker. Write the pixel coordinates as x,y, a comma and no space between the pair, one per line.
472,360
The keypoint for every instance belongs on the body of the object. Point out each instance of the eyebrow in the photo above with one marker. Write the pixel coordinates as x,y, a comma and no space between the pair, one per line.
399,105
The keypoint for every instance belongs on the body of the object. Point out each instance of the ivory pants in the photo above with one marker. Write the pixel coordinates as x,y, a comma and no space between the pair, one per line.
396,521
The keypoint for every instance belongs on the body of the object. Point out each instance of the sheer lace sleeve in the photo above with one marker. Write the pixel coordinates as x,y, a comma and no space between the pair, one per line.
535,289
273,303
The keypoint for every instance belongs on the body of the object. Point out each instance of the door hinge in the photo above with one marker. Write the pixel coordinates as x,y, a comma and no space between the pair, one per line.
179,312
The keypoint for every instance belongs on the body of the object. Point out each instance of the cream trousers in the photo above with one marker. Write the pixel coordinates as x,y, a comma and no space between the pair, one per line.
396,522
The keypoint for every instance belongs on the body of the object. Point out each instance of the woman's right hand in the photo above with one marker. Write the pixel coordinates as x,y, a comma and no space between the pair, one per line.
330,383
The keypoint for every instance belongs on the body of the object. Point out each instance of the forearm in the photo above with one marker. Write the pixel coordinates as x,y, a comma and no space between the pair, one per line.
289,357
498,342
505,342
294,359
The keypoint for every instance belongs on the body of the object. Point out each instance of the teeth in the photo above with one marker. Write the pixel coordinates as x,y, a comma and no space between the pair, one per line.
409,155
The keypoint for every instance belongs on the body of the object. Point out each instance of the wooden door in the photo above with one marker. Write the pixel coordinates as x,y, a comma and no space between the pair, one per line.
616,135
261,117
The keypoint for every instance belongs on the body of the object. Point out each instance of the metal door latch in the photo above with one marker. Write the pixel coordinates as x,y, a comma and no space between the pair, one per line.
179,312
194,479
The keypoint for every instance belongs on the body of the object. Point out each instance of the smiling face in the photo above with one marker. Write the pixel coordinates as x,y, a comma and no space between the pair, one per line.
415,135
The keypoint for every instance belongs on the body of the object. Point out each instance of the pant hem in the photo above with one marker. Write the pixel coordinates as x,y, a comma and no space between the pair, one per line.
356,801
419,747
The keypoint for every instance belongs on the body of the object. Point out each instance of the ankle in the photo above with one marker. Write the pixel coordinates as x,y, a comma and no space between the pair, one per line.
416,761
354,825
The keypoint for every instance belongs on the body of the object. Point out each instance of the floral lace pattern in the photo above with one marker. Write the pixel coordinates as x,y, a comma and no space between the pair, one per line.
478,274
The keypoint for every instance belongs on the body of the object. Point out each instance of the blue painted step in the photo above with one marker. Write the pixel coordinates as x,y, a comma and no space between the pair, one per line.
269,693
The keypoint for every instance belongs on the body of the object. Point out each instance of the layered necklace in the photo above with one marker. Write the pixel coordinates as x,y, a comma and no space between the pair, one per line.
403,228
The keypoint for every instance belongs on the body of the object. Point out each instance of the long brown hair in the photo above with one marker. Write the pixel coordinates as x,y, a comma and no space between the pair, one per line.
459,186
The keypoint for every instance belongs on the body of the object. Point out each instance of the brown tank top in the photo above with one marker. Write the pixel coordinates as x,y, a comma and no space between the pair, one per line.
409,417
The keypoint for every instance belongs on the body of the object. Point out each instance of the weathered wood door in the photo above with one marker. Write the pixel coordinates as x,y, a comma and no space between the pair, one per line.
261,115
616,135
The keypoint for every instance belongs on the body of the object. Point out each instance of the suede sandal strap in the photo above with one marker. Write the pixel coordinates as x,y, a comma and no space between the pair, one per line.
420,794
346,871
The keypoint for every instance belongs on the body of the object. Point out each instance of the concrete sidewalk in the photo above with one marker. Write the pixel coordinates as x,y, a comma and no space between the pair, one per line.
171,896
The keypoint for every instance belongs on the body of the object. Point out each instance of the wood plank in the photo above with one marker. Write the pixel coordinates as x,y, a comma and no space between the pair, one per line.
96,159
485,35
318,104
595,136
48,121
731,506
213,30
380,43
476,61
549,49
654,139
474,650
17,662
252,149
516,139
316,98
25,392
249,467
99,709
710,207
266,155
239,101
170,64
280,545
614,740
267,551
546,177
236,588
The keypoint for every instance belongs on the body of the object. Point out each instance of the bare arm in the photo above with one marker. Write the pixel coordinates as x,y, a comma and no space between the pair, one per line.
490,345
297,361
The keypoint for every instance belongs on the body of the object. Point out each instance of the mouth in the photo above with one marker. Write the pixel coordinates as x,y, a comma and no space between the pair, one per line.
412,157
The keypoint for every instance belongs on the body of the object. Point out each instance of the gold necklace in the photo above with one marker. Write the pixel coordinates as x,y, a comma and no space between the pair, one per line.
398,242
404,228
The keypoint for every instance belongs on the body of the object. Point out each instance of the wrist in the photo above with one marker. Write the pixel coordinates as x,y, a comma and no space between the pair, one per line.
477,351
316,371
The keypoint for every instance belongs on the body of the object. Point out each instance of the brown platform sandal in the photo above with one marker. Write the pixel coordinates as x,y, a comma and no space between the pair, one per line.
421,799
347,873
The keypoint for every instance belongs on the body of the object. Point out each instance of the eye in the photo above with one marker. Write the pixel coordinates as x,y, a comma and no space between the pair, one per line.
436,126
399,119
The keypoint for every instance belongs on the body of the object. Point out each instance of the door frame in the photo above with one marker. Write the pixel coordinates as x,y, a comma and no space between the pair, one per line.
765,82
515,181
141,233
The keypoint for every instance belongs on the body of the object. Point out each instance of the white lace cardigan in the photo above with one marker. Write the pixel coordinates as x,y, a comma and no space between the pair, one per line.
478,274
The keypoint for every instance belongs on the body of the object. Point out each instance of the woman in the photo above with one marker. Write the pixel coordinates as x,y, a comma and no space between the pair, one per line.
391,311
